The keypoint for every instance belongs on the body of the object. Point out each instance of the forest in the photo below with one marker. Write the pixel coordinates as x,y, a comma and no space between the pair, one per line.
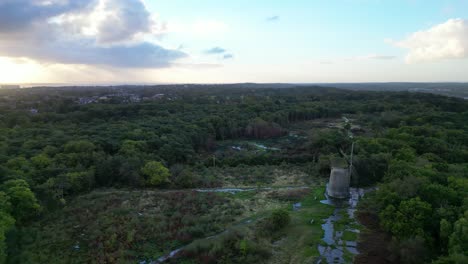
123,174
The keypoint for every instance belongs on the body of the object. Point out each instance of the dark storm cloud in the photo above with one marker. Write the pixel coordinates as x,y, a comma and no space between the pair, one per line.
52,31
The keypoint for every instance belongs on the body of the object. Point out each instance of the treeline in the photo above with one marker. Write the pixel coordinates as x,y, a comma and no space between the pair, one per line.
422,161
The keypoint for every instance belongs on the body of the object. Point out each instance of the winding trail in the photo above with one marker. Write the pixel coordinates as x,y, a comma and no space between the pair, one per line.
247,189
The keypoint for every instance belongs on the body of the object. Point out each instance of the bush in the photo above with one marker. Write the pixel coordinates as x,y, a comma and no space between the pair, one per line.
276,221
279,219
156,173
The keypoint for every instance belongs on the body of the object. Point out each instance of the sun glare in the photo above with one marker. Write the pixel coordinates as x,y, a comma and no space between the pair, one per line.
19,70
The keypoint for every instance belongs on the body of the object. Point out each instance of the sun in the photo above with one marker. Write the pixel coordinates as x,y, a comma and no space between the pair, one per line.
19,70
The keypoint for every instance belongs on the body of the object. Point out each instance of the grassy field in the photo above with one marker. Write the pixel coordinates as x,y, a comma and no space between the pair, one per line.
260,175
123,226
115,226
304,233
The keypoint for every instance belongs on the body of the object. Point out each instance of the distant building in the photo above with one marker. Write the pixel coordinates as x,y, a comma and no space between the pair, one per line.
86,100
157,96
134,98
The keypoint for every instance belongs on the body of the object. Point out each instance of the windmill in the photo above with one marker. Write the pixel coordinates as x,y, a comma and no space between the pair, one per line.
340,176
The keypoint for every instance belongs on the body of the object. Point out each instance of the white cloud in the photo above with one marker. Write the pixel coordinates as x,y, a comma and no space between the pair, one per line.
380,57
326,62
199,28
97,32
111,21
370,57
448,40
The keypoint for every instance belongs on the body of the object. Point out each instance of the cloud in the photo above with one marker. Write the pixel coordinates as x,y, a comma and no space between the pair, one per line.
326,62
96,32
273,18
380,57
219,51
119,20
371,57
20,14
142,55
215,50
448,40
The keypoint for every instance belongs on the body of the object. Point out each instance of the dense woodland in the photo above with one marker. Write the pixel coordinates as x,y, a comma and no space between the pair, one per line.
414,147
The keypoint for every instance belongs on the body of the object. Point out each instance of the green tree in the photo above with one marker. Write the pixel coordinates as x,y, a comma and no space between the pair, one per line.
406,154
458,241
41,161
6,223
5,205
79,146
23,201
445,231
155,172
408,220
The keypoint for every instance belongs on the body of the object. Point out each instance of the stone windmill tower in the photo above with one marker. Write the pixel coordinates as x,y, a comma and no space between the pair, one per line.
340,176
338,185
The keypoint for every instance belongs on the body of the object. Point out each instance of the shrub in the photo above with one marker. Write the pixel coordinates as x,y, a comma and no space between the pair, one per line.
279,219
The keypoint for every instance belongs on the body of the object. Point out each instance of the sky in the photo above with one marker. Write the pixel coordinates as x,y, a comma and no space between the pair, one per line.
208,41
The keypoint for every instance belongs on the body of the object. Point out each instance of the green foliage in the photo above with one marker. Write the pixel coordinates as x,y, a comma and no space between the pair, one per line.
445,231
79,146
408,220
114,226
6,223
406,154
279,219
5,205
243,247
77,181
156,173
452,259
229,247
458,240
24,204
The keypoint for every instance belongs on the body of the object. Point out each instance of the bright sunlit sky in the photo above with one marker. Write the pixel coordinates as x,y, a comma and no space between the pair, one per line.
208,41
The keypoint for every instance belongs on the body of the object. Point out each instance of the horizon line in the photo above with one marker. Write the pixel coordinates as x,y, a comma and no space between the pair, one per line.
104,84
